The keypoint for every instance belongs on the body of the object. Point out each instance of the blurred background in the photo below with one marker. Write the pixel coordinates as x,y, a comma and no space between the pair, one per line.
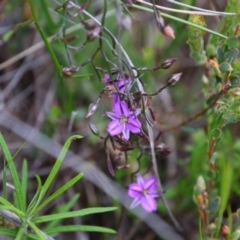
40,110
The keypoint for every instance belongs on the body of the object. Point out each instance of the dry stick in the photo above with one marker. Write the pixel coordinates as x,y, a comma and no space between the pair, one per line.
150,130
195,116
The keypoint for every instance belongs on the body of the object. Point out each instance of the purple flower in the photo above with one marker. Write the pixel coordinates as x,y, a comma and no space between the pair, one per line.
144,193
106,78
121,82
123,120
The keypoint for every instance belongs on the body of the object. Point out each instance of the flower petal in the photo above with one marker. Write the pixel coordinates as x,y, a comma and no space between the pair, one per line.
135,202
124,108
115,128
106,78
148,203
151,184
116,100
154,194
137,111
140,180
126,132
134,190
134,125
112,115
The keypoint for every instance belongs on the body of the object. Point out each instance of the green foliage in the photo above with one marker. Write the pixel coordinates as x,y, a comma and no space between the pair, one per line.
23,217
195,39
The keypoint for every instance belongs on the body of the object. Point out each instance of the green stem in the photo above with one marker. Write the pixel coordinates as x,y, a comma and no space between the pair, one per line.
45,40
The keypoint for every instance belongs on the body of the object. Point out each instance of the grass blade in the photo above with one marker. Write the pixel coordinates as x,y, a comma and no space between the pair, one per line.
45,40
37,231
13,172
7,232
58,164
20,234
80,228
35,200
79,213
60,191
62,209
24,183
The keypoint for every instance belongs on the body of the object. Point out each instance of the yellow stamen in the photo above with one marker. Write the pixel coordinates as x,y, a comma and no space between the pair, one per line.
124,119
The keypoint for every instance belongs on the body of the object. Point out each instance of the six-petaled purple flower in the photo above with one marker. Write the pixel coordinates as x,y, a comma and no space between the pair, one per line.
144,192
123,120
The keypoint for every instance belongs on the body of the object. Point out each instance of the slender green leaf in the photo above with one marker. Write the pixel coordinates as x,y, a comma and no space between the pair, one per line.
7,210
45,40
24,183
79,228
81,75
58,163
79,213
4,180
60,191
8,232
63,209
37,231
13,172
32,236
6,202
36,199
20,234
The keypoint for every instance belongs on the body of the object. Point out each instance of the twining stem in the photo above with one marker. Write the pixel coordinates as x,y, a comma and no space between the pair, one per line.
149,128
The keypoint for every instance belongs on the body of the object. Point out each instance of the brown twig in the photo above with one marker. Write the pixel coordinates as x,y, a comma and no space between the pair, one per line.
197,115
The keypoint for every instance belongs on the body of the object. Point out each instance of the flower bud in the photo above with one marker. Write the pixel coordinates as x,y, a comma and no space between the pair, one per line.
212,228
67,72
225,231
168,31
160,24
168,63
126,23
200,187
174,79
90,25
163,149
93,34
92,109
94,129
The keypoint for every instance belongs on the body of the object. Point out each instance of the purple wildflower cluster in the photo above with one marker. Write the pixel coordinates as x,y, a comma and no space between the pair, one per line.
124,120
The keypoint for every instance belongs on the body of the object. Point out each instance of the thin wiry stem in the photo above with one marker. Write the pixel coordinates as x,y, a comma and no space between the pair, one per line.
149,128
180,20
202,12
200,9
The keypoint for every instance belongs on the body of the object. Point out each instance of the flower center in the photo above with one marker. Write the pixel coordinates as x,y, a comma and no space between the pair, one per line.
124,119
144,192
